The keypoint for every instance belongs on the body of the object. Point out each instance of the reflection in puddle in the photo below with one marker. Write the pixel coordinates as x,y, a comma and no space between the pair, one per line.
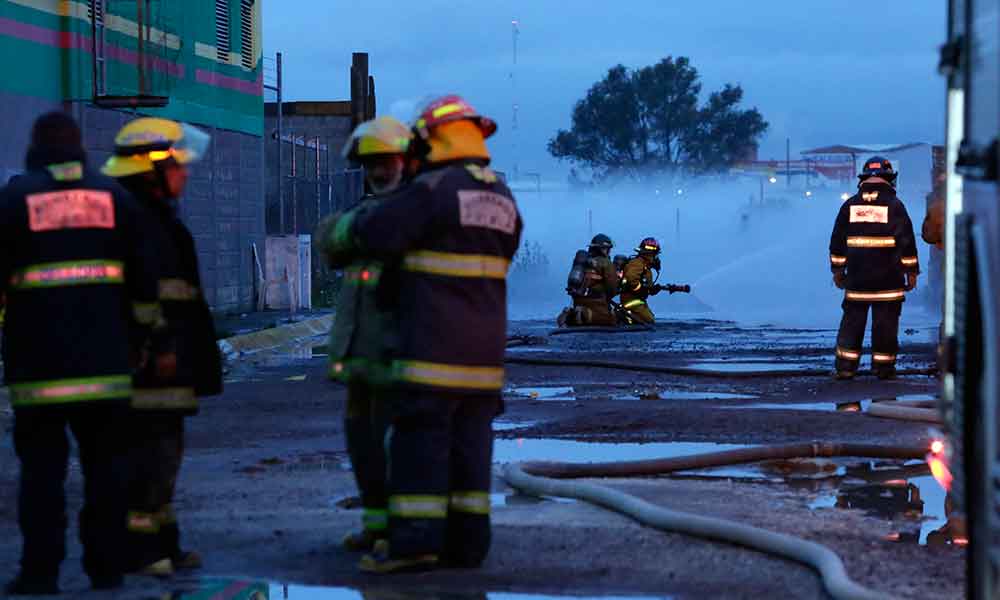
532,449
854,406
907,494
556,394
742,367
234,589
508,426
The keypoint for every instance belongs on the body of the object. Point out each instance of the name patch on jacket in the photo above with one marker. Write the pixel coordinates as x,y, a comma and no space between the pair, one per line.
480,208
71,209
869,214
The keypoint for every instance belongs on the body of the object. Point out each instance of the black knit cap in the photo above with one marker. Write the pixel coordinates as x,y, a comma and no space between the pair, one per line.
56,130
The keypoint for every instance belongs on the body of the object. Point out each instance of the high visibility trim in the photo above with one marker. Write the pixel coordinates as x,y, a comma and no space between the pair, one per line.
62,391
341,238
363,276
475,503
848,354
449,376
177,290
909,261
147,313
77,272
869,196
838,261
143,522
375,519
864,241
887,296
457,265
633,303
447,109
68,171
418,507
175,398
885,358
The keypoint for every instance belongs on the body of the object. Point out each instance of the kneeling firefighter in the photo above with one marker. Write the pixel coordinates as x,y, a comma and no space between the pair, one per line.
592,283
873,256
150,160
454,228
638,283
364,334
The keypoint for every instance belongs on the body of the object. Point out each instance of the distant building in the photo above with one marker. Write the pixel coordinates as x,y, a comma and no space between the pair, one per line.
107,60
913,161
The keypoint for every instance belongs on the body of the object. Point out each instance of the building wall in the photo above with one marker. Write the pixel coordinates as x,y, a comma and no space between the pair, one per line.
53,43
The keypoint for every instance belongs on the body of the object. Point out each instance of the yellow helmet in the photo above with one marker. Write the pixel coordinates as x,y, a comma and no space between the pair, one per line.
143,142
384,135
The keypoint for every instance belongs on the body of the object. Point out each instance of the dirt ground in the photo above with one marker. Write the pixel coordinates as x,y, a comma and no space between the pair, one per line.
264,483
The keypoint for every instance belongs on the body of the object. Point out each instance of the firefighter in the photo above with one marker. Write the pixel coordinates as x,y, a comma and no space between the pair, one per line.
593,284
150,160
873,255
455,229
74,264
638,283
362,340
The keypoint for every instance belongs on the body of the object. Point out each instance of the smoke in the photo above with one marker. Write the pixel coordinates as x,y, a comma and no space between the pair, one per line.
746,261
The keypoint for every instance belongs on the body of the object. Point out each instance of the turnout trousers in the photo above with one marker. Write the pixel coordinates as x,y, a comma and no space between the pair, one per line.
440,459
597,312
365,425
43,448
638,311
157,450
885,334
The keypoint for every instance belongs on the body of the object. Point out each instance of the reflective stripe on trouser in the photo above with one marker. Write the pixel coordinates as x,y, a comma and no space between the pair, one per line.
64,391
440,465
43,450
639,311
365,426
837,261
69,273
175,398
600,311
157,448
885,331
883,296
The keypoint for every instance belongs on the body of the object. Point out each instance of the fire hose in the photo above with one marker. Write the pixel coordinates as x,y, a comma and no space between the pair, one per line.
689,372
544,479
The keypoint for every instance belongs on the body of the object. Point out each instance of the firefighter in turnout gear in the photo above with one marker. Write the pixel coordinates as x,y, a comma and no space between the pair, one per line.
454,229
363,338
74,265
873,255
638,283
592,284
150,161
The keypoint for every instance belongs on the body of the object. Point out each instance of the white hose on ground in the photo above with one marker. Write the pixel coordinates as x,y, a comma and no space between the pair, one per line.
904,413
822,559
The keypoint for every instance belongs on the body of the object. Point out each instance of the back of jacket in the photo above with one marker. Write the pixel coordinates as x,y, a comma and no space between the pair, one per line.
636,280
873,241
601,278
74,268
454,230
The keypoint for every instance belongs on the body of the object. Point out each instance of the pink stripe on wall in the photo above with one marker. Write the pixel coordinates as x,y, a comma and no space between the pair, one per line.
60,39
131,57
255,88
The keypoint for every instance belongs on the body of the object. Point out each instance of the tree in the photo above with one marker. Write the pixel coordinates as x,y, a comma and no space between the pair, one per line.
635,123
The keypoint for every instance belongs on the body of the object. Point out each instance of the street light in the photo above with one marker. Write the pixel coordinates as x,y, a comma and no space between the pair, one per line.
773,179
808,194
845,196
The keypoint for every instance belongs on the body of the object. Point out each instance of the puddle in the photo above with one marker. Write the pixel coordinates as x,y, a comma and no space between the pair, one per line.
552,394
853,406
534,449
507,425
908,496
684,395
236,589
742,367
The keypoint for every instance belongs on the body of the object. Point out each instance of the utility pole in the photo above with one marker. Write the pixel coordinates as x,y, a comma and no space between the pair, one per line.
276,88
515,32
788,162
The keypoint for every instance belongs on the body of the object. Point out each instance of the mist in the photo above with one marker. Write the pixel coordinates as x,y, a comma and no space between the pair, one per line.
746,262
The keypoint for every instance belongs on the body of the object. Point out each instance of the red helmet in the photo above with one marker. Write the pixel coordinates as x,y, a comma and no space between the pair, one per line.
450,108
648,246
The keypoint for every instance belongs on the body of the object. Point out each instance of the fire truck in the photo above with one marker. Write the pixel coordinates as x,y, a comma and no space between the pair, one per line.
970,398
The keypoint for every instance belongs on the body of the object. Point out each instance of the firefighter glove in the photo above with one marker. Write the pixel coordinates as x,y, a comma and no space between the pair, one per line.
840,279
911,281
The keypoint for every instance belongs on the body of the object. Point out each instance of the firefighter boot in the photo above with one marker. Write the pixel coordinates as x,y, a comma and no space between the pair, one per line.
380,561
886,373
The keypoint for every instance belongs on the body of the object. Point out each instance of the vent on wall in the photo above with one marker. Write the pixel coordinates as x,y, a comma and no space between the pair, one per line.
247,53
222,40
95,9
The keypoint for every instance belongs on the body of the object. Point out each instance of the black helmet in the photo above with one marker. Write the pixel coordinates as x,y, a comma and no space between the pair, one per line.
648,246
601,241
877,166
